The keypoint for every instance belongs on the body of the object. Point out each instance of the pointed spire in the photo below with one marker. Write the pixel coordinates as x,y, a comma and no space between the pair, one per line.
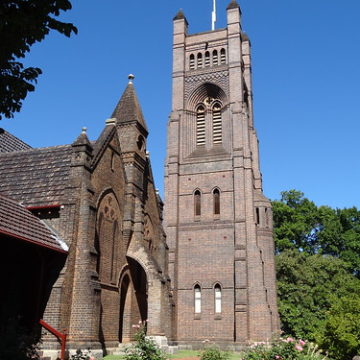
233,5
128,108
180,16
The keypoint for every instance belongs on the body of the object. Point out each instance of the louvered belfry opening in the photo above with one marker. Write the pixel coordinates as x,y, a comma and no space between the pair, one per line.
215,58
223,56
192,62
217,126
206,107
200,126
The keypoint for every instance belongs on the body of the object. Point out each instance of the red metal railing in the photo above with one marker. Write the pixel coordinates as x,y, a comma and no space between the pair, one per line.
58,334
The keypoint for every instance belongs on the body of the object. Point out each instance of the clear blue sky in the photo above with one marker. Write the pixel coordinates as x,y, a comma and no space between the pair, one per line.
306,68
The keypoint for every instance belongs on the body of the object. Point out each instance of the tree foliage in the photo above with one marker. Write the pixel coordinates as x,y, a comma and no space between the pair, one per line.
308,287
23,23
301,225
341,334
318,272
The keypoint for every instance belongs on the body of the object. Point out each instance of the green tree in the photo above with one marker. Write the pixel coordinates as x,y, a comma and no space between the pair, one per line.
341,334
308,287
23,23
318,272
299,224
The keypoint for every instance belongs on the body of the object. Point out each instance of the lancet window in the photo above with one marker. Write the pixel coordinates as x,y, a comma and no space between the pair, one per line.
216,199
197,203
217,295
197,299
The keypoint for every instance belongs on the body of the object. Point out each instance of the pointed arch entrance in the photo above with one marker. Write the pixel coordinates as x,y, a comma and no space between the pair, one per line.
133,300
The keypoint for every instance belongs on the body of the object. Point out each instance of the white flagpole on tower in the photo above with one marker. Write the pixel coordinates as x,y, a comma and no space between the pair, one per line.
213,16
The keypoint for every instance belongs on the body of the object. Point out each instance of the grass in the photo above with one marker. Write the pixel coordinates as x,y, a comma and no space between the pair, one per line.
184,353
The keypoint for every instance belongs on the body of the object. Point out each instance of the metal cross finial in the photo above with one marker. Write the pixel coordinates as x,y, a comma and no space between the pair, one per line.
213,16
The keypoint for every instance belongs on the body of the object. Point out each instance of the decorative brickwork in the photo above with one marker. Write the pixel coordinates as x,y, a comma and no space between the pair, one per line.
109,216
221,253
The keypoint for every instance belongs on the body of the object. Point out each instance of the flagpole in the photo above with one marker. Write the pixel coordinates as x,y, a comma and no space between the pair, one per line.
213,16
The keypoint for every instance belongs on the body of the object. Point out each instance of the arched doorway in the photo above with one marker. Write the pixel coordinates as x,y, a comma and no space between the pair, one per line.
133,301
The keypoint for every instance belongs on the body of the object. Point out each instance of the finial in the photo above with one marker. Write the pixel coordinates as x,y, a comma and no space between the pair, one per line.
233,5
131,78
83,130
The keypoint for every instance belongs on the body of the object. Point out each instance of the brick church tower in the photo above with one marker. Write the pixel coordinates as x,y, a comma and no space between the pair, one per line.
217,220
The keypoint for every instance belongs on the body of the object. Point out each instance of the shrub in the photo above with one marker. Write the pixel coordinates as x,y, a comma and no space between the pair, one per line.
285,349
18,342
214,353
81,355
144,348
341,335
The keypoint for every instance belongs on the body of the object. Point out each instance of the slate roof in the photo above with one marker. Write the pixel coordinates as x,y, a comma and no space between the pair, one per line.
18,222
9,142
128,108
37,176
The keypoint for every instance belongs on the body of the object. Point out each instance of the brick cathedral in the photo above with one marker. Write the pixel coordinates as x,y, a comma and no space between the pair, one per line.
88,222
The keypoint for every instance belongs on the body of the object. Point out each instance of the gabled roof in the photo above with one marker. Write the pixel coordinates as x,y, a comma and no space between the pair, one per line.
36,176
102,142
18,222
128,108
9,142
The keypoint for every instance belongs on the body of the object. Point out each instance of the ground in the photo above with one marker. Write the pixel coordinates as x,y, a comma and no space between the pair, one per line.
180,355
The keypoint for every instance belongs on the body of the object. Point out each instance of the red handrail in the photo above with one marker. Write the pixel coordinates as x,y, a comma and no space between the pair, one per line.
58,334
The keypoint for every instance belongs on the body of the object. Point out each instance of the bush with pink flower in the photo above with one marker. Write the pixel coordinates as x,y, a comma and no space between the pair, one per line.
286,349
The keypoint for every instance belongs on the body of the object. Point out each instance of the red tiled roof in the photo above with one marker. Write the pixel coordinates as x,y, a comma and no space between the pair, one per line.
18,222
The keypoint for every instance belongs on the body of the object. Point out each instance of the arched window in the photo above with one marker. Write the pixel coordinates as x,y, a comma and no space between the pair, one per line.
197,203
197,299
199,60
192,62
207,59
215,58
217,295
216,197
222,56
217,127
200,126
